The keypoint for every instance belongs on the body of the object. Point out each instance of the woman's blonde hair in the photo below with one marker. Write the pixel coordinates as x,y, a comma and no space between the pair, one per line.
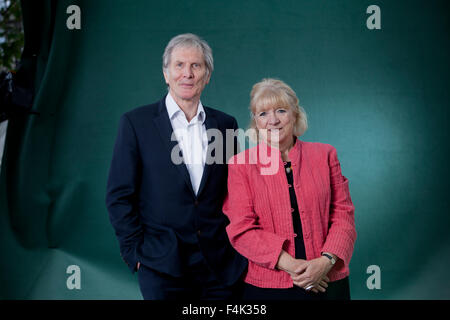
273,92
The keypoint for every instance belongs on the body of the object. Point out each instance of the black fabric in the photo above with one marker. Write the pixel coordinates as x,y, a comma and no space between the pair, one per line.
300,252
199,283
337,290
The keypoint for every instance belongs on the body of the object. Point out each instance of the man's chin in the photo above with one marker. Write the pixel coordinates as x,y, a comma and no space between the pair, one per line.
187,97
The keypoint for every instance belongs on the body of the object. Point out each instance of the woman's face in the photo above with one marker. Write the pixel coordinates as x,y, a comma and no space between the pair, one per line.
275,121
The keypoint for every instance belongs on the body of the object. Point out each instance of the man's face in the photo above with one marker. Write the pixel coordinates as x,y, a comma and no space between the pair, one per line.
186,74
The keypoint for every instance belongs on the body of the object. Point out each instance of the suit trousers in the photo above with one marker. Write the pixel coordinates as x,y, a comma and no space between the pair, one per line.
198,283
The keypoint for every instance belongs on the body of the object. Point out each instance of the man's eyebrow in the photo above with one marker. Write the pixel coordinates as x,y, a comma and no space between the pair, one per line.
193,62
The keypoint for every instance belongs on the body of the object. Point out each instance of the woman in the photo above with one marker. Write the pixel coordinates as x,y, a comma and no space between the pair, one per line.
295,221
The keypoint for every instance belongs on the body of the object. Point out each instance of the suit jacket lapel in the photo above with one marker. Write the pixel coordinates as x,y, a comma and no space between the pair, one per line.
162,122
210,123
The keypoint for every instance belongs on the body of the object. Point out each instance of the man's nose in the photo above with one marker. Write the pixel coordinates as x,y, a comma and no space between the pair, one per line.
187,72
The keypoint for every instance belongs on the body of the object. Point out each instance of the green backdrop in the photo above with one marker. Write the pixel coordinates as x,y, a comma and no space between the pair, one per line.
379,96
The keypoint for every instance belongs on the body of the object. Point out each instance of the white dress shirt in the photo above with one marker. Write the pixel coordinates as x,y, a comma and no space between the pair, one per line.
191,137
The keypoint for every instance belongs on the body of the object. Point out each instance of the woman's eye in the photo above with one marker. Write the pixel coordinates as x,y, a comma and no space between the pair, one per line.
281,110
262,114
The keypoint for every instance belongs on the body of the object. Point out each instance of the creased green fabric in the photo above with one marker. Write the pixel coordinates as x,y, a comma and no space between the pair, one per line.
379,96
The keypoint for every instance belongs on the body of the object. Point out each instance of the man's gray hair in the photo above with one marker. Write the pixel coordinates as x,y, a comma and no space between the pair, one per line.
191,41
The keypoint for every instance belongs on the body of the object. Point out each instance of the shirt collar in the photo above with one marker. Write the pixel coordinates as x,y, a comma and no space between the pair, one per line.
173,109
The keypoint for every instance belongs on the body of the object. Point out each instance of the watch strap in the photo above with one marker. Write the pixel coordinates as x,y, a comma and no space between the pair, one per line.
333,261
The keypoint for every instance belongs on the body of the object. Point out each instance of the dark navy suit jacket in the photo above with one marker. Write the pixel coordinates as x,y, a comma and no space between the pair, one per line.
152,206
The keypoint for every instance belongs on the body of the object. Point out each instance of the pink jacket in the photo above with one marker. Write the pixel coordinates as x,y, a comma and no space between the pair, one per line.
259,209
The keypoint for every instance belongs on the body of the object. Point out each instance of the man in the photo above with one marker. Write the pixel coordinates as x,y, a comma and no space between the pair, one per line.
168,216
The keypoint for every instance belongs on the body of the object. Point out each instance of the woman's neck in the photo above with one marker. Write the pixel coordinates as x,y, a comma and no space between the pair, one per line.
285,148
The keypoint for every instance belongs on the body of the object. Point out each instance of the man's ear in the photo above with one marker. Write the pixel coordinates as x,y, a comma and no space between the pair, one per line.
166,77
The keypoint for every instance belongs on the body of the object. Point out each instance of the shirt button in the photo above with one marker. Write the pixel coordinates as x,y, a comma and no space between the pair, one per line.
289,185
295,235
292,209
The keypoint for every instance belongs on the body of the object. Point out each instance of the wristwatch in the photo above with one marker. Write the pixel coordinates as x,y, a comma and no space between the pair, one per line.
333,260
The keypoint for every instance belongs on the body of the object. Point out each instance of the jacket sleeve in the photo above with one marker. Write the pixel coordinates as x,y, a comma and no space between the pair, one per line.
244,231
341,233
121,194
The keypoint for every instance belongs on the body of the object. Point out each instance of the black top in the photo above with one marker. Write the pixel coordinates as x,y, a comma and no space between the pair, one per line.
298,234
